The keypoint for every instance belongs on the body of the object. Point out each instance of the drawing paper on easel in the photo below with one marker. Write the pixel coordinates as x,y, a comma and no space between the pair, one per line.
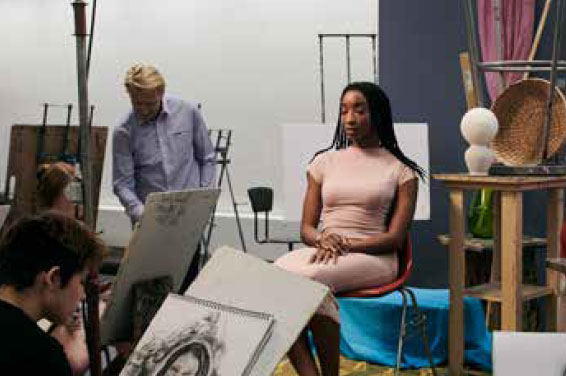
191,336
238,279
163,245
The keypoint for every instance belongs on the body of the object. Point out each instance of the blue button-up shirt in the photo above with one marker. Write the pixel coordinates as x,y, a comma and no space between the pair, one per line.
170,153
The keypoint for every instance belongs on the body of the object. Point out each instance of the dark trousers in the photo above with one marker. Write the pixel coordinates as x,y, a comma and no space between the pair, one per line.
192,272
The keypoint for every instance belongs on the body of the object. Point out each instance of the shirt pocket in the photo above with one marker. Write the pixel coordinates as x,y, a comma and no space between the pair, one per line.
182,142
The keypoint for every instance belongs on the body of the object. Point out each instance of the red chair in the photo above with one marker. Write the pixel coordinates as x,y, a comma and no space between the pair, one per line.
405,257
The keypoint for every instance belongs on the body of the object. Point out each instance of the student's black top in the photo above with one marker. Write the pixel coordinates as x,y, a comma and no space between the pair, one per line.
25,349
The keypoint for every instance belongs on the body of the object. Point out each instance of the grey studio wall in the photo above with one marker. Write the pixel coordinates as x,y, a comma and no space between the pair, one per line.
419,68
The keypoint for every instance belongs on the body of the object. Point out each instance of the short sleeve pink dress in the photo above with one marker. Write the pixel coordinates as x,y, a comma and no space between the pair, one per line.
358,186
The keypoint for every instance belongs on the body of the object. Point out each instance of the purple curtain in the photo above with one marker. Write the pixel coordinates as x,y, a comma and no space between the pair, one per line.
517,18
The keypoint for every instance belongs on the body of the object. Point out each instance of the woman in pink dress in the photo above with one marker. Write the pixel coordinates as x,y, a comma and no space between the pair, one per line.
364,193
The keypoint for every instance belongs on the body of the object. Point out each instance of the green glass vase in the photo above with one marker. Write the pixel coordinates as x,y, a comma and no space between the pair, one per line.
480,217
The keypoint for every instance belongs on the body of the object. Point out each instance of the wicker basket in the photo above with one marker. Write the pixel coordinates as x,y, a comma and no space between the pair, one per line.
521,112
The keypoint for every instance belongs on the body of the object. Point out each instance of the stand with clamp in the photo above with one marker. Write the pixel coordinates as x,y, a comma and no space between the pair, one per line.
223,138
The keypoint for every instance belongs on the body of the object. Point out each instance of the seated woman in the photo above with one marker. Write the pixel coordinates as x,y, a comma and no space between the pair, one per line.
364,192
55,193
54,188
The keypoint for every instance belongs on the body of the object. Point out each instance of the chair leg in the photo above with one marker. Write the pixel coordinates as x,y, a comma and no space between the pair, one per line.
402,331
421,322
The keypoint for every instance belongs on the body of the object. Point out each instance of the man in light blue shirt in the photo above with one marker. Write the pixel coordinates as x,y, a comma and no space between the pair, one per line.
161,145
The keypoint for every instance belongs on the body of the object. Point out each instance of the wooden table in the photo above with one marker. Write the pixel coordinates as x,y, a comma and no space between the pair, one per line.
508,234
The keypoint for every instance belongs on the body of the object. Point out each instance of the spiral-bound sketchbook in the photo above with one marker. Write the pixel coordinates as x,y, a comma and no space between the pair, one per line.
192,336
236,278
162,246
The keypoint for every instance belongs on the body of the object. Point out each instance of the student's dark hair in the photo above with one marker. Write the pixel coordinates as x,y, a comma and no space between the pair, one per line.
38,243
381,121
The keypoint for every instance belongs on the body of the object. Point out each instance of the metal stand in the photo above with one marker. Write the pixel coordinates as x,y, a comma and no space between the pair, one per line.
223,138
548,166
347,38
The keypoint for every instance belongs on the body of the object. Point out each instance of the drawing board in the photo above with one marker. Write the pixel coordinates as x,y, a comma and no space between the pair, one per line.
163,245
238,279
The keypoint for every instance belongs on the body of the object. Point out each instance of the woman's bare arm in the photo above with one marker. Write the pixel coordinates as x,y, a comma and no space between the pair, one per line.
312,207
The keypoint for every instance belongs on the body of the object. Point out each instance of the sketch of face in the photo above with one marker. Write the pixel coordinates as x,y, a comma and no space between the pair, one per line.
185,365
192,360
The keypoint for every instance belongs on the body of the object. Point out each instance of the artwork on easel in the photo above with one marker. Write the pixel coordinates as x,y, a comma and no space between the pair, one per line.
191,336
237,279
162,246
21,176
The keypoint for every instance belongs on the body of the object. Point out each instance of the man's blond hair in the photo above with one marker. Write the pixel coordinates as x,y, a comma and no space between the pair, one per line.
144,77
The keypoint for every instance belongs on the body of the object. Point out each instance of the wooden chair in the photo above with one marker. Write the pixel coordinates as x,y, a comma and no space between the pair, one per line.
405,257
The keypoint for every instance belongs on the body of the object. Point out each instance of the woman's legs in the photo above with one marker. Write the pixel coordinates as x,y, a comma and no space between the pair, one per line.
301,357
326,335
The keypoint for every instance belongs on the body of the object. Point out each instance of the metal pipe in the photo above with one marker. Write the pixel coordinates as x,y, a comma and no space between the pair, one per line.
348,60
41,138
497,15
473,49
321,69
514,63
335,35
555,52
90,39
67,130
374,57
523,69
93,324
80,33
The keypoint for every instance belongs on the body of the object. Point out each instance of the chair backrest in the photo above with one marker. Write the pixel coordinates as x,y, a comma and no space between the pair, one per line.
261,199
405,260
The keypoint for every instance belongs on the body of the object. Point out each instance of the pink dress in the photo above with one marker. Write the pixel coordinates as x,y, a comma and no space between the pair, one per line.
358,186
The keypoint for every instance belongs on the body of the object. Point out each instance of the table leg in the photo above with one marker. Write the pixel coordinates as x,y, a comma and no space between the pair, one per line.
495,273
511,260
456,280
556,304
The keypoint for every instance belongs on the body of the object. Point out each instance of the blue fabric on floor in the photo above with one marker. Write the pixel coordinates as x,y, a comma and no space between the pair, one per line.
370,330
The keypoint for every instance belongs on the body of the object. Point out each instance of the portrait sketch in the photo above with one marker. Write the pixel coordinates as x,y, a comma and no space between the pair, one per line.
190,336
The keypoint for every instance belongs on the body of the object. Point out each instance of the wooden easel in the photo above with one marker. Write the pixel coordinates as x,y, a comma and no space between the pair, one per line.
21,176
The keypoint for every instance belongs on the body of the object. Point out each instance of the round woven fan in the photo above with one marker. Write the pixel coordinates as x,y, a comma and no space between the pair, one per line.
521,113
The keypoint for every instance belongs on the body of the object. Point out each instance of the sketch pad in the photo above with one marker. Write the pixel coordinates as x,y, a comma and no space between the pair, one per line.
238,279
163,245
207,338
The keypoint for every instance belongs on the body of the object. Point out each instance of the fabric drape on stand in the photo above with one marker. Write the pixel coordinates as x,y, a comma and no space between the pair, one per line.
517,22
